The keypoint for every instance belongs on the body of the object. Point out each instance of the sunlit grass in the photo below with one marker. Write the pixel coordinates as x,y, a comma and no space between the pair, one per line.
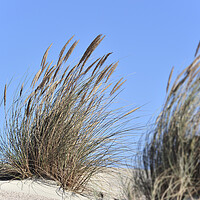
61,127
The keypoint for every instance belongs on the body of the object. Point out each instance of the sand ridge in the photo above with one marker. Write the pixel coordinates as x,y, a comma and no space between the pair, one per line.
108,186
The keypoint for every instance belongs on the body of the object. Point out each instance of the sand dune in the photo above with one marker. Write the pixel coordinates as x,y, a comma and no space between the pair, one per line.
104,186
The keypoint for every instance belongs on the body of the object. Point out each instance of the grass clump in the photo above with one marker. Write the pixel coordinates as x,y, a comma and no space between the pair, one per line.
62,127
170,162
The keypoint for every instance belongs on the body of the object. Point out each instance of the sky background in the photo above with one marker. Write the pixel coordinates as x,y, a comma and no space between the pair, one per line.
147,37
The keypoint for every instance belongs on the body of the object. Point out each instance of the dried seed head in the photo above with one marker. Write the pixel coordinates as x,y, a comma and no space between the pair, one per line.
45,57
70,51
62,51
90,49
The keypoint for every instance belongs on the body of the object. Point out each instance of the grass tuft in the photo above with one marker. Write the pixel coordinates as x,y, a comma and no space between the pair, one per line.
62,127
169,165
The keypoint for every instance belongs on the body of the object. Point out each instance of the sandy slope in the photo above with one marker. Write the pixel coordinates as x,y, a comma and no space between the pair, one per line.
107,185
28,189
8,195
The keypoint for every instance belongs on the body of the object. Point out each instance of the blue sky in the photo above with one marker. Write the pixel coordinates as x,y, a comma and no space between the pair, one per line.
147,37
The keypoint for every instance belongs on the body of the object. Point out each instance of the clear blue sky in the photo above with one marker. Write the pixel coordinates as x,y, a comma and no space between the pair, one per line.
147,37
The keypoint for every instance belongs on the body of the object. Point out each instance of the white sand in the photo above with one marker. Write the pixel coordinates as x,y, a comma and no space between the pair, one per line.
28,189
110,185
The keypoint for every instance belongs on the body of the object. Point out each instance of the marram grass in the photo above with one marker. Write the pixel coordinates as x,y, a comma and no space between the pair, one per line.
62,128
169,165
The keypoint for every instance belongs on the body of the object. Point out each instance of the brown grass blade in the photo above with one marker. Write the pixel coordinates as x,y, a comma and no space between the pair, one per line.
101,62
97,66
28,107
64,72
169,79
5,91
111,71
20,94
106,88
102,75
128,113
115,86
51,70
47,70
105,58
178,78
68,75
197,50
88,68
56,72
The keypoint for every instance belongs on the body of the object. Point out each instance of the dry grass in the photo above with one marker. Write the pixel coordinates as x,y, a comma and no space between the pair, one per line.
170,161
62,128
